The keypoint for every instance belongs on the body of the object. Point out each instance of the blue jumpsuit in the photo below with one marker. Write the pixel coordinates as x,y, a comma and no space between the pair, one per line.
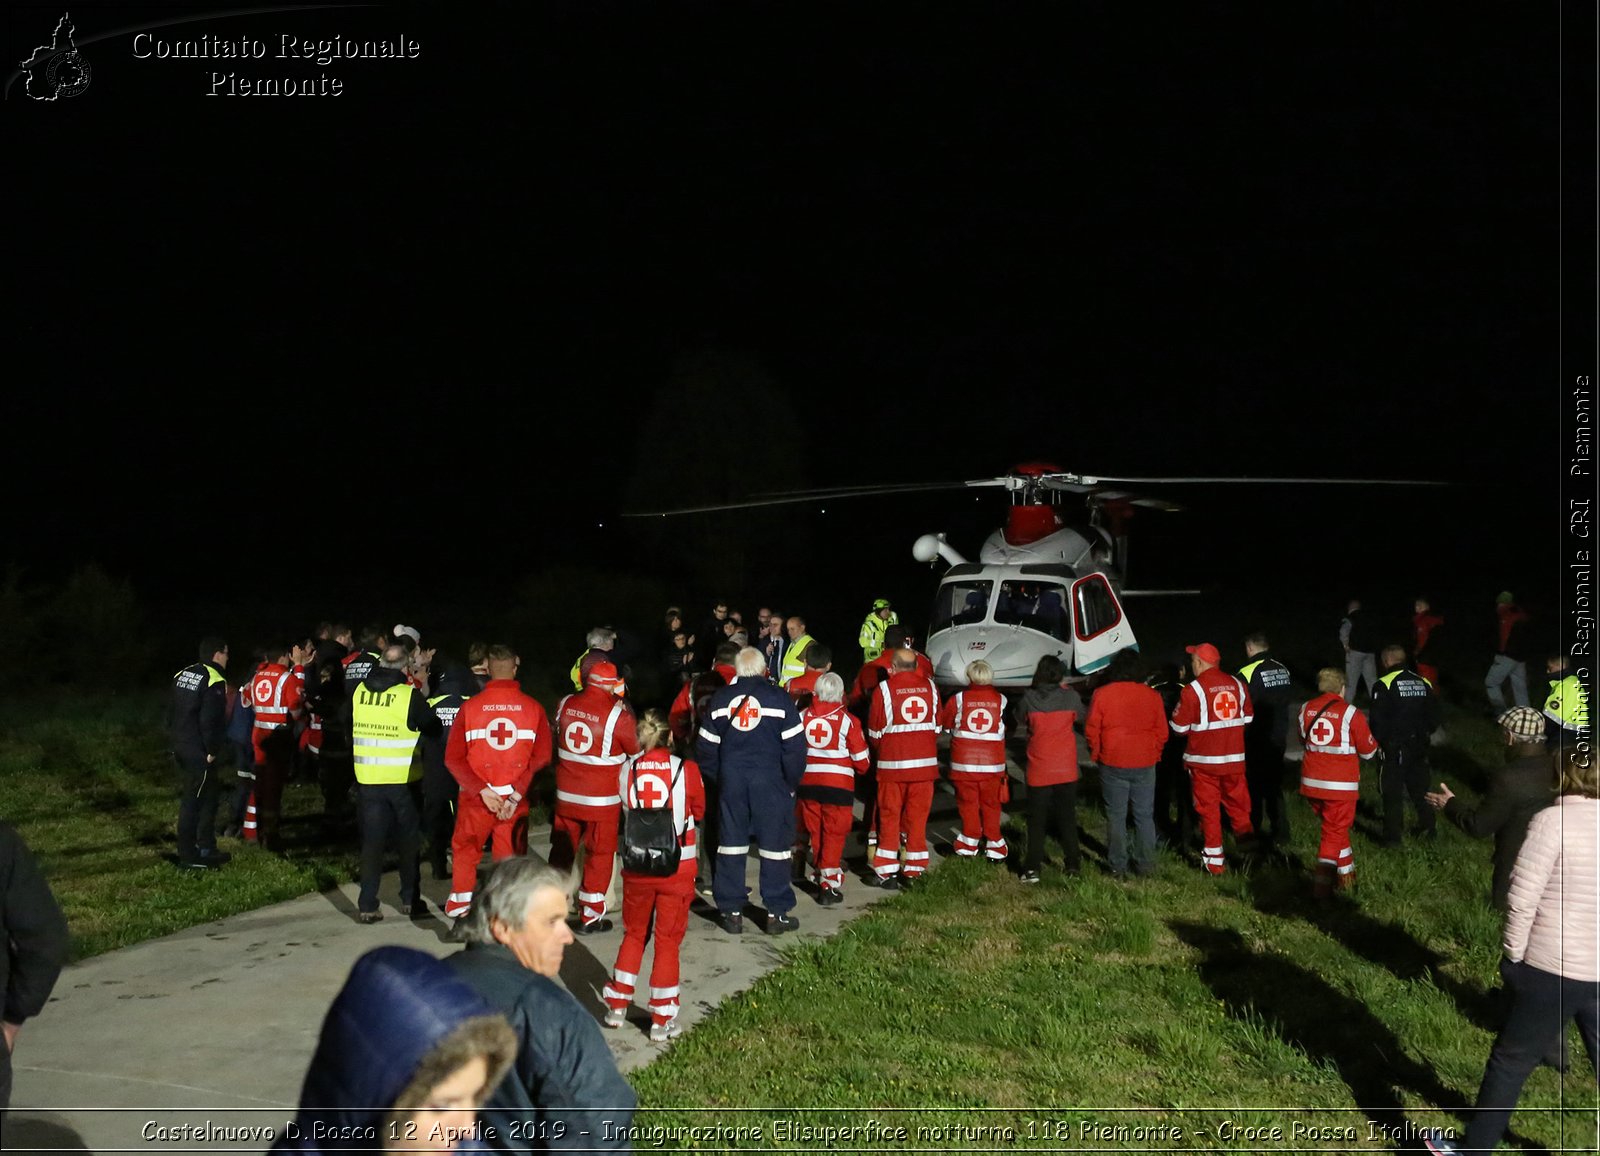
752,746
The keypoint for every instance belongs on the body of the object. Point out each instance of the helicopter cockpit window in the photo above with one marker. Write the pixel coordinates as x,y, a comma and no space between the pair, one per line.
1097,609
961,603
1039,606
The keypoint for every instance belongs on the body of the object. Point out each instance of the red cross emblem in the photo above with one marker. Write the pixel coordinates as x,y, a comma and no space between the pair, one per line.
914,710
578,737
820,733
980,720
1224,705
501,734
263,691
746,713
650,791
1322,732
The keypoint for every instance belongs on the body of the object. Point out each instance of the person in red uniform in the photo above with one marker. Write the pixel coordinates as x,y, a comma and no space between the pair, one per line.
595,734
903,730
874,672
1212,713
684,716
278,698
1047,717
836,754
1423,623
1336,739
500,739
655,906
975,718
819,661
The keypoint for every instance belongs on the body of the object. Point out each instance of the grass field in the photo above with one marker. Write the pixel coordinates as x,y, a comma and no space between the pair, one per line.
974,1013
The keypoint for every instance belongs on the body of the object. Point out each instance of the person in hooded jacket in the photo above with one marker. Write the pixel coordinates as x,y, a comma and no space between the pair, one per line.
836,755
1046,718
407,1054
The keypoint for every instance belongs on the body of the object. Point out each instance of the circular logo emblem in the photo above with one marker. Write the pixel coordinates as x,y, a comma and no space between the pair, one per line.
578,737
263,691
1225,704
745,713
501,734
1322,732
651,791
68,74
914,710
980,720
820,733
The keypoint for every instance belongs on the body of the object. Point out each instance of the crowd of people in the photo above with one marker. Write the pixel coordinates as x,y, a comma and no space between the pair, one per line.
758,744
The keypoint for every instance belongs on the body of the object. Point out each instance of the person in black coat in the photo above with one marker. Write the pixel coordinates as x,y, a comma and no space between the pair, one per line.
32,925
1517,791
564,1091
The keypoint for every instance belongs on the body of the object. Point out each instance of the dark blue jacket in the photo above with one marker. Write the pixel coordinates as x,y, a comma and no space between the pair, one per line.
758,741
395,1008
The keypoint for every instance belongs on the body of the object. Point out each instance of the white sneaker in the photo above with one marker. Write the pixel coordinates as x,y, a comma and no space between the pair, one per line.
661,1033
615,1017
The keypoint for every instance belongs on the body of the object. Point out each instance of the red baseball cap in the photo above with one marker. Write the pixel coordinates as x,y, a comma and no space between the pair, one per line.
1205,652
604,674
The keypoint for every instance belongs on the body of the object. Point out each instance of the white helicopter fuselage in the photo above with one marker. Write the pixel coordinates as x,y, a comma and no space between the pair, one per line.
1022,601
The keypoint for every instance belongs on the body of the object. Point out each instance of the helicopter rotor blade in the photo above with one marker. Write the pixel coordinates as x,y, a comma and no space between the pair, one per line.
1269,481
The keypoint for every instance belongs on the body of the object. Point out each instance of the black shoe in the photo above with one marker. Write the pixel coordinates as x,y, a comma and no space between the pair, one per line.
778,924
907,882
595,928
371,916
732,922
215,858
827,897
882,882
195,864
414,910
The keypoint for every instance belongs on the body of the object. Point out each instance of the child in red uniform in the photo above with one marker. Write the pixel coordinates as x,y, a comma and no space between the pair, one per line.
656,778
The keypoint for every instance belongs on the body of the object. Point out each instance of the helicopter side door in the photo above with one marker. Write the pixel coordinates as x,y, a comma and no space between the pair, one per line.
1099,627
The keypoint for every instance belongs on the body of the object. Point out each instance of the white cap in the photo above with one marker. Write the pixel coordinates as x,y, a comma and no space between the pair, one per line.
412,631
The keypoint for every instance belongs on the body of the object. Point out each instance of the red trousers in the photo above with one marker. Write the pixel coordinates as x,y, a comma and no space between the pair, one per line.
474,824
666,899
979,799
904,807
598,838
1212,792
826,825
1333,850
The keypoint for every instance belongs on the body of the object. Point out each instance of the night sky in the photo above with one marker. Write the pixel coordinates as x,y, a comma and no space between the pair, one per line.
581,258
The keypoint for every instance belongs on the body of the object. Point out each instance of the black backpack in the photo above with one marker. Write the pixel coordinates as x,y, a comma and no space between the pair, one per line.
650,837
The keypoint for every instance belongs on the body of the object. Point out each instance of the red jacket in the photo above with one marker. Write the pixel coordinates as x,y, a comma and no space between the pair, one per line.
501,737
803,684
595,735
903,728
836,752
1336,739
657,777
874,672
276,696
680,716
1213,711
1127,726
1046,717
976,719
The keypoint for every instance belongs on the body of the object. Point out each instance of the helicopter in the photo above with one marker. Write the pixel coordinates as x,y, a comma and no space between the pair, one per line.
1040,586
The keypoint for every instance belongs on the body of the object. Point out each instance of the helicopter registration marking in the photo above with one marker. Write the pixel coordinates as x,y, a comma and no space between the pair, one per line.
579,738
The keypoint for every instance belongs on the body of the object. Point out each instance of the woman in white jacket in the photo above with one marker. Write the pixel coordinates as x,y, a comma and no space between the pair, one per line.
1552,950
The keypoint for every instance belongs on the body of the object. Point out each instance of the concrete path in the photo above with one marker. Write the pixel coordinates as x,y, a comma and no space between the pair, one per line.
198,1041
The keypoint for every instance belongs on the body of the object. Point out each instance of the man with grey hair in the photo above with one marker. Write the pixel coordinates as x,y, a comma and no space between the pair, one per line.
564,1092
753,749
836,755
598,645
387,721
